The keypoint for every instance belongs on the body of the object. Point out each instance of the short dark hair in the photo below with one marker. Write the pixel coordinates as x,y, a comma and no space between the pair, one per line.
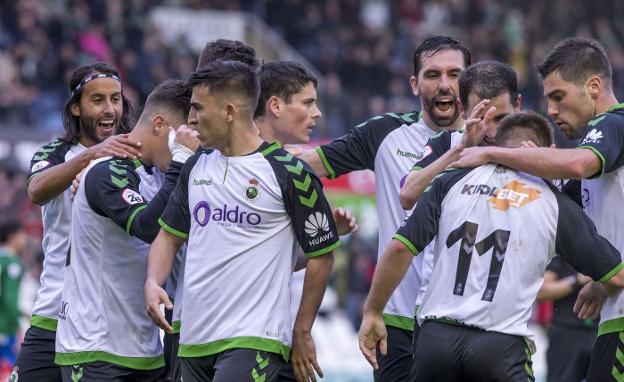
8,227
227,50
71,123
487,80
433,45
576,59
282,79
229,77
175,95
527,125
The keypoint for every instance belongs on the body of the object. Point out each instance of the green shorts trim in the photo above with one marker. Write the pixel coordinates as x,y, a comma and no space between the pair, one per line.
137,363
400,322
216,347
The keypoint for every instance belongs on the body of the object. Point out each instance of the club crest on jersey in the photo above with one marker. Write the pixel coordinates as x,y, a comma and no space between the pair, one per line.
252,192
592,137
513,194
131,197
40,165
315,226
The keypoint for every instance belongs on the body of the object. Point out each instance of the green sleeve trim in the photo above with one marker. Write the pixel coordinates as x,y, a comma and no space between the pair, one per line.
270,149
323,251
136,363
132,216
43,323
176,325
611,273
215,347
32,177
416,168
407,243
172,230
400,322
611,326
328,167
600,156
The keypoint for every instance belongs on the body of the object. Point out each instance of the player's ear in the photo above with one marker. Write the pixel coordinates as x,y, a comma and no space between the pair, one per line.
593,86
274,106
414,85
74,108
462,110
159,125
230,111
518,104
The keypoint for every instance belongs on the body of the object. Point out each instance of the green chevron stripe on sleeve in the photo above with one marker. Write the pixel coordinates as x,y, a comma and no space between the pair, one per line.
305,185
295,169
117,170
270,149
309,201
284,158
596,121
119,182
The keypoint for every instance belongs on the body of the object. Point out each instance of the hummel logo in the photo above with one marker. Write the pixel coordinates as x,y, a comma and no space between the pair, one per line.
593,136
202,182
315,223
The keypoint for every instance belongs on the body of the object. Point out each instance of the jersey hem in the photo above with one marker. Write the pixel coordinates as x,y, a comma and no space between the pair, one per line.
328,167
407,243
216,347
137,363
602,160
323,251
400,322
172,230
42,322
611,273
611,326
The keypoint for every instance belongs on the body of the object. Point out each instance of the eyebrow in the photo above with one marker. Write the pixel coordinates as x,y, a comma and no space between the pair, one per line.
117,93
554,92
196,105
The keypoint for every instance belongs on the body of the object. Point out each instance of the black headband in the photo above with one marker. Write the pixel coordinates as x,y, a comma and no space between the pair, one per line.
91,78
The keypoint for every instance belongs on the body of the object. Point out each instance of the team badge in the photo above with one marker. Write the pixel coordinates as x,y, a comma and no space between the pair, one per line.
252,192
40,165
131,197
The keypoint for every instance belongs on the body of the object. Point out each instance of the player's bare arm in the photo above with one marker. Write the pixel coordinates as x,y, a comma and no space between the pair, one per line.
52,182
159,262
395,262
312,158
545,162
303,352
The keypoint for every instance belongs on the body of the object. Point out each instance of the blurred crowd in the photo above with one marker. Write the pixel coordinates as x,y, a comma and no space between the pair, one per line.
363,47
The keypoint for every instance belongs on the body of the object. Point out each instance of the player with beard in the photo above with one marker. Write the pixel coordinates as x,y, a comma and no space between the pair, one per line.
389,145
578,86
488,91
94,112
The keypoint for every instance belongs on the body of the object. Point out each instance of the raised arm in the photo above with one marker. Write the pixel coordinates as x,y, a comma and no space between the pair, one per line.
54,178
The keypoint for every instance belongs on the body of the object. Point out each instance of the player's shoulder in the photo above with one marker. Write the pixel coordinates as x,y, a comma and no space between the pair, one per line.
56,147
281,158
614,117
391,120
115,171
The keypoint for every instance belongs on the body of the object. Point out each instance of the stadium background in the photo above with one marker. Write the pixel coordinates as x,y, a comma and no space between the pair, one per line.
361,50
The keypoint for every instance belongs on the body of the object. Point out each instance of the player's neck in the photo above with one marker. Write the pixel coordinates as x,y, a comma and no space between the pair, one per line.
458,124
242,140
267,133
140,134
605,102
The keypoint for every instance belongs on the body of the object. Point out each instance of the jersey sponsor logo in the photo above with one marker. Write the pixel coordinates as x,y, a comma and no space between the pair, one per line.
202,182
513,194
406,154
480,189
594,136
253,190
40,165
315,226
225,216
131,197
64,310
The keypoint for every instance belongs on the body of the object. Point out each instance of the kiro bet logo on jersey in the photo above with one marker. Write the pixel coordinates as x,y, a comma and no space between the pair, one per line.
225,216
316,226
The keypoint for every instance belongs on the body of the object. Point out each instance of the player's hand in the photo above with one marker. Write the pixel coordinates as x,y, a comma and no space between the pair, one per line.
295,150
345,221
589,301
187,137
528,145
477,124
303,357
373,332
76,183
118,146
471,157
154,296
